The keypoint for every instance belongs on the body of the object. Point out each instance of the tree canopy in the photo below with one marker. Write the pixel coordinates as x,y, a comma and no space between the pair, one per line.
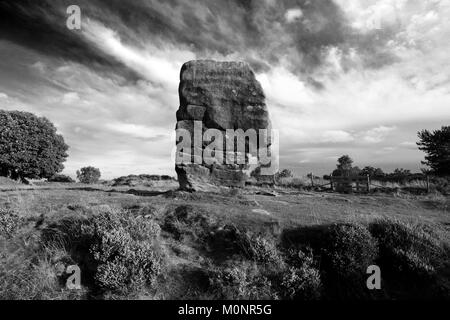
88,175
345,167
436,144
29,146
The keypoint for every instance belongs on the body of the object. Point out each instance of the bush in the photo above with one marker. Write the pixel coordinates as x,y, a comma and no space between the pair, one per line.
442,184
123,250
301,280
295,183
283,174
10,222
241,280
230,241
411,257
188,222
263,249
349,249
117,250
125,265
89,175
60,178
343,251
253,265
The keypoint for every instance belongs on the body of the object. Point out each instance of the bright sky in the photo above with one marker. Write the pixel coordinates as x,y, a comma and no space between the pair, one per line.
341,77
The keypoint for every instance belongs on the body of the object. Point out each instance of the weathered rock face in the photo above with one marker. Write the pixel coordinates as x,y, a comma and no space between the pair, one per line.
218,95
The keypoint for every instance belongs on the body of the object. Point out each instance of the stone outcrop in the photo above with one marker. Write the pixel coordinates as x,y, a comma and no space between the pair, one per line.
218,95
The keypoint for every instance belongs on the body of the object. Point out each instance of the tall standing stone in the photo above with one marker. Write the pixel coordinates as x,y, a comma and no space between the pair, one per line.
218,95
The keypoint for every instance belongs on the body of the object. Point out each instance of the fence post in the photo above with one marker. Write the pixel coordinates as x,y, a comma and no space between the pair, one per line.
312,180
331,182
368,183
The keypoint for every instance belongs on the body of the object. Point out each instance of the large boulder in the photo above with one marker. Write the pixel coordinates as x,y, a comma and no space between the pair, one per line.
218,95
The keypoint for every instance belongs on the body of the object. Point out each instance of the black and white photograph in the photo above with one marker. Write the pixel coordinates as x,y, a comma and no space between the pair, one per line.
247,152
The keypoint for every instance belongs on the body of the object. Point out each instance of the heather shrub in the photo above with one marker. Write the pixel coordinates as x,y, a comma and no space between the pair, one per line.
122,247
117,252
230,241
241,280
263,249
125,265
188,222
142,229
343,252
348,250
301,280
412,257
251,264
10,222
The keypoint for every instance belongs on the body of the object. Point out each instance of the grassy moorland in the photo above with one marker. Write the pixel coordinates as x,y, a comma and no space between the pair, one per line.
155,242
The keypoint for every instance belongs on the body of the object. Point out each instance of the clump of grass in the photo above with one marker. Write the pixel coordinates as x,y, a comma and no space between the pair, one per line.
10,222
30,274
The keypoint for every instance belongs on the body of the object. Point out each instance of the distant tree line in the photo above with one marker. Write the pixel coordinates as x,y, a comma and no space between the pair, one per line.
345,167
30,148
436,145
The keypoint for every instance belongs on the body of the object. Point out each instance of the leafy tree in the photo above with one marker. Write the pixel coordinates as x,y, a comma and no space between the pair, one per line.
345,163
436,145
88,175
379,173
29,146
344,167
355,171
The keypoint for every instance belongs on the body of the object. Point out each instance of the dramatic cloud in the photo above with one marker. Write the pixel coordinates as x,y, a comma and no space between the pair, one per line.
293,14
342,76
